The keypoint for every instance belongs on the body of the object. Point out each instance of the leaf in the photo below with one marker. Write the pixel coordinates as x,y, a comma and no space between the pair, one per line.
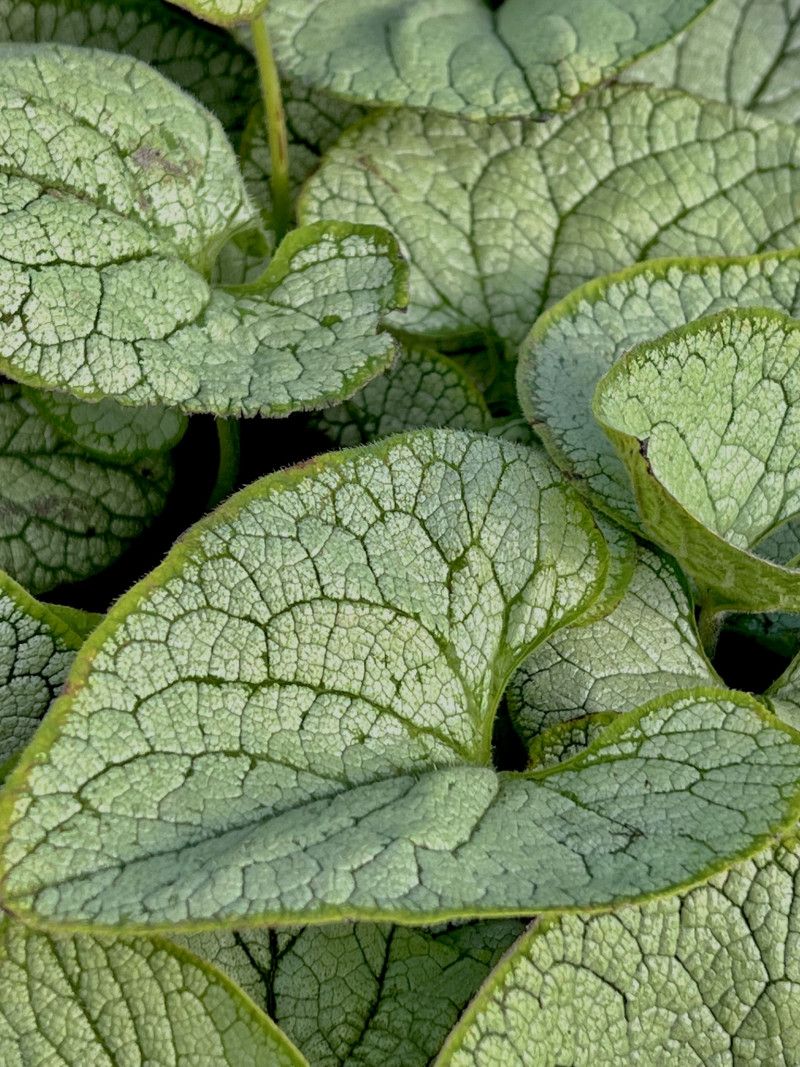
112,301
709,978
646,647
499,221
706,422
315,743
201,59
107,430
77,1001
467,57
424,388
743,52
362,993
80,622
563,740
65,514
224,12
37,647
574,343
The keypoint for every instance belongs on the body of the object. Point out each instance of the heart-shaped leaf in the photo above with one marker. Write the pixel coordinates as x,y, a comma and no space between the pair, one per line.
707,421
467,57
71,1002
201,59
646,647
37,648
119,193
743,52
574,343
292,719
64,512
424,388
501,220
362,993
710,977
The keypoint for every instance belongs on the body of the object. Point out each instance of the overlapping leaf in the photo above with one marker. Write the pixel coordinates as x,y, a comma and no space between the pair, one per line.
64,512
467,57
743,52
107,429
362,993
424,388
224,12
37,648
119,192
501,220
292,718
709,978
78,1001
646,647
201,59
707,421
575,343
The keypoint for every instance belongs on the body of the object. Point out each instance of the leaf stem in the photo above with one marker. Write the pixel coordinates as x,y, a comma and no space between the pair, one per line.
709,624
228,471
276,127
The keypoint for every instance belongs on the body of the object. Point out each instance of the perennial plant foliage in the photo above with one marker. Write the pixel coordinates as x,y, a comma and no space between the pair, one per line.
469,733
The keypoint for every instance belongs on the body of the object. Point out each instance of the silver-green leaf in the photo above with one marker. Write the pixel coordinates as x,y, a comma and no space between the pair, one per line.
65,513
106,429
424,388
501,220
80,1001
707,421
291,719
366,994
576,342
743,52
118,193
709,978
647,646
37,647
201,59
467,57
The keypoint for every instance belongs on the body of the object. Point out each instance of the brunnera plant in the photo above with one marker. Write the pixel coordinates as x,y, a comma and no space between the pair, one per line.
426,748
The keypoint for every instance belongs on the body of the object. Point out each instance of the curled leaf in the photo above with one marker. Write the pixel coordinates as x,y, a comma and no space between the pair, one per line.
707,421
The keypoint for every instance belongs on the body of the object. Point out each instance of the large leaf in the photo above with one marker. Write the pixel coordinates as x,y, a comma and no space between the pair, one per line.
37,648
573,345
710,978
743,52
201,59
362,993
102,283
292,719
424,388
501,220
468,57
80,1001
64,512
707,421
647,646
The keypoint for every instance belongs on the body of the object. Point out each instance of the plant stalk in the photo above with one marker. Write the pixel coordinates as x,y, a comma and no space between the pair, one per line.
228,470
276,128
709,624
